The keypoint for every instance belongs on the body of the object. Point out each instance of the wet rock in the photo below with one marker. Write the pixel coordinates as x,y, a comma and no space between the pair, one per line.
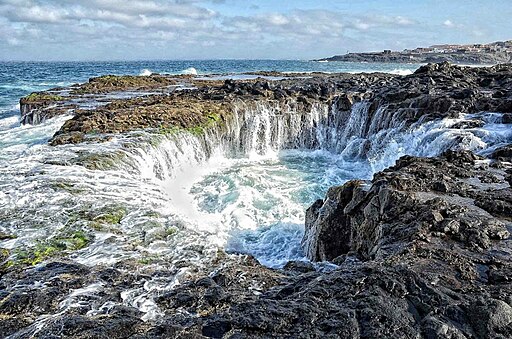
327,227
216,328
68,138
503,153
423,250
435,91
299,266
468,124
507,118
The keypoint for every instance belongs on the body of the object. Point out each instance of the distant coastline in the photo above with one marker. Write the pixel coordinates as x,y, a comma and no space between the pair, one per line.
492,53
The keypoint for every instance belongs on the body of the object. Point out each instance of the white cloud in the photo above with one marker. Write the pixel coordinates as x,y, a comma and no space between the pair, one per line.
187,28
448,23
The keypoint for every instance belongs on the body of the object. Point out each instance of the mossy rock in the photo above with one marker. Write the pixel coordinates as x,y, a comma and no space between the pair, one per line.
41,97
211,120
149,259
46,249
102,219
111,215
6,236
110,83
153,214
163,114
103,162
4,256
66,186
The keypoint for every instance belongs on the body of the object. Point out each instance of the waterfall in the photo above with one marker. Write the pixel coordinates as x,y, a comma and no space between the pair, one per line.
262,129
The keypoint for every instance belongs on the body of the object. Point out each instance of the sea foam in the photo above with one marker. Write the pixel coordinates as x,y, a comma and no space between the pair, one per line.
145,73
190,70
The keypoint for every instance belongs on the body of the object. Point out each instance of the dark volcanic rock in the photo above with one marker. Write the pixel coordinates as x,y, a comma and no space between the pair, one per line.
422,251
417,259
503,153
414,199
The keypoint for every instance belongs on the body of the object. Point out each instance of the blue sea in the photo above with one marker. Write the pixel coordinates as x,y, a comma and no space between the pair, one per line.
254,204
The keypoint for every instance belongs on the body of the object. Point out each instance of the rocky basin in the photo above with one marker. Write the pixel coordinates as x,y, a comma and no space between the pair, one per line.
423,250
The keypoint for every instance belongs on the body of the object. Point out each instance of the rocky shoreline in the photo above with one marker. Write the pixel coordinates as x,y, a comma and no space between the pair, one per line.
421,251
432,92
480,58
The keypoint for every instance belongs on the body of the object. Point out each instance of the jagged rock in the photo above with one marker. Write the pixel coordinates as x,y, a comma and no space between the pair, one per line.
68,138
416,198
423,250
491,318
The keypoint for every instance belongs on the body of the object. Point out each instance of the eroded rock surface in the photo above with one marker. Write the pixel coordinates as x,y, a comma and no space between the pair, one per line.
422,253
445,224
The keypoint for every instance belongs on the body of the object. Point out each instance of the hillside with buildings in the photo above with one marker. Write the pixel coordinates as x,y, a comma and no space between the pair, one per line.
492,53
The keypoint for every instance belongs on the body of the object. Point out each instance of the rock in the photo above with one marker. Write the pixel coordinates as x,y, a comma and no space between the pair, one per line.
216,328
503,153
327,228
68,138
434,91
491,318
421,250
299,266
507,118
404,203
468,124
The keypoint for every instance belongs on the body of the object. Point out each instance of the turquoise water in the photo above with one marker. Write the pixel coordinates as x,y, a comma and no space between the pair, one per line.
245,205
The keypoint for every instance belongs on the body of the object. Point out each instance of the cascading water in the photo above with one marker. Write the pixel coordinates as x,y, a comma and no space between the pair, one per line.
244,187
249,186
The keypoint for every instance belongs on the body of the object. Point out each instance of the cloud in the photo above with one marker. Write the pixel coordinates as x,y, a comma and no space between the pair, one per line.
174,29
449,23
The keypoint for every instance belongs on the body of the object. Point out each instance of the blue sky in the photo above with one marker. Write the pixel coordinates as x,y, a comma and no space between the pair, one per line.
248,29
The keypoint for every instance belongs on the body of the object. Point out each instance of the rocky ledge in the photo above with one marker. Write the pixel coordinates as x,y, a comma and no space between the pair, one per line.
110,105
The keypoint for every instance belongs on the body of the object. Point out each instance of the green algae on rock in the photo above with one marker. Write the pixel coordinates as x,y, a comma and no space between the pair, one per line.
46,249
42,97
110,83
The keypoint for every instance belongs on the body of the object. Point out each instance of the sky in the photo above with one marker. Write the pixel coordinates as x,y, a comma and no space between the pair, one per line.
240,29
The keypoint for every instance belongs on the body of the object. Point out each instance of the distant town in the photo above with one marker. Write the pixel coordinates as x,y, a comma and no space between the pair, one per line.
492,53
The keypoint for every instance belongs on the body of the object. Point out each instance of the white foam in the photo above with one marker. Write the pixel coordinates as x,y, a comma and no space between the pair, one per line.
244,193
401,71
190,71
8,123
145,73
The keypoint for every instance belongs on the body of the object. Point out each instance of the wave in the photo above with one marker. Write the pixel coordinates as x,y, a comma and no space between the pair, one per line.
190,70
32,87
28,88
401,71
8,123
145,73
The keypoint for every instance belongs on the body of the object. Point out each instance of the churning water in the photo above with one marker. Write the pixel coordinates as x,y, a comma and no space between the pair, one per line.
179,198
